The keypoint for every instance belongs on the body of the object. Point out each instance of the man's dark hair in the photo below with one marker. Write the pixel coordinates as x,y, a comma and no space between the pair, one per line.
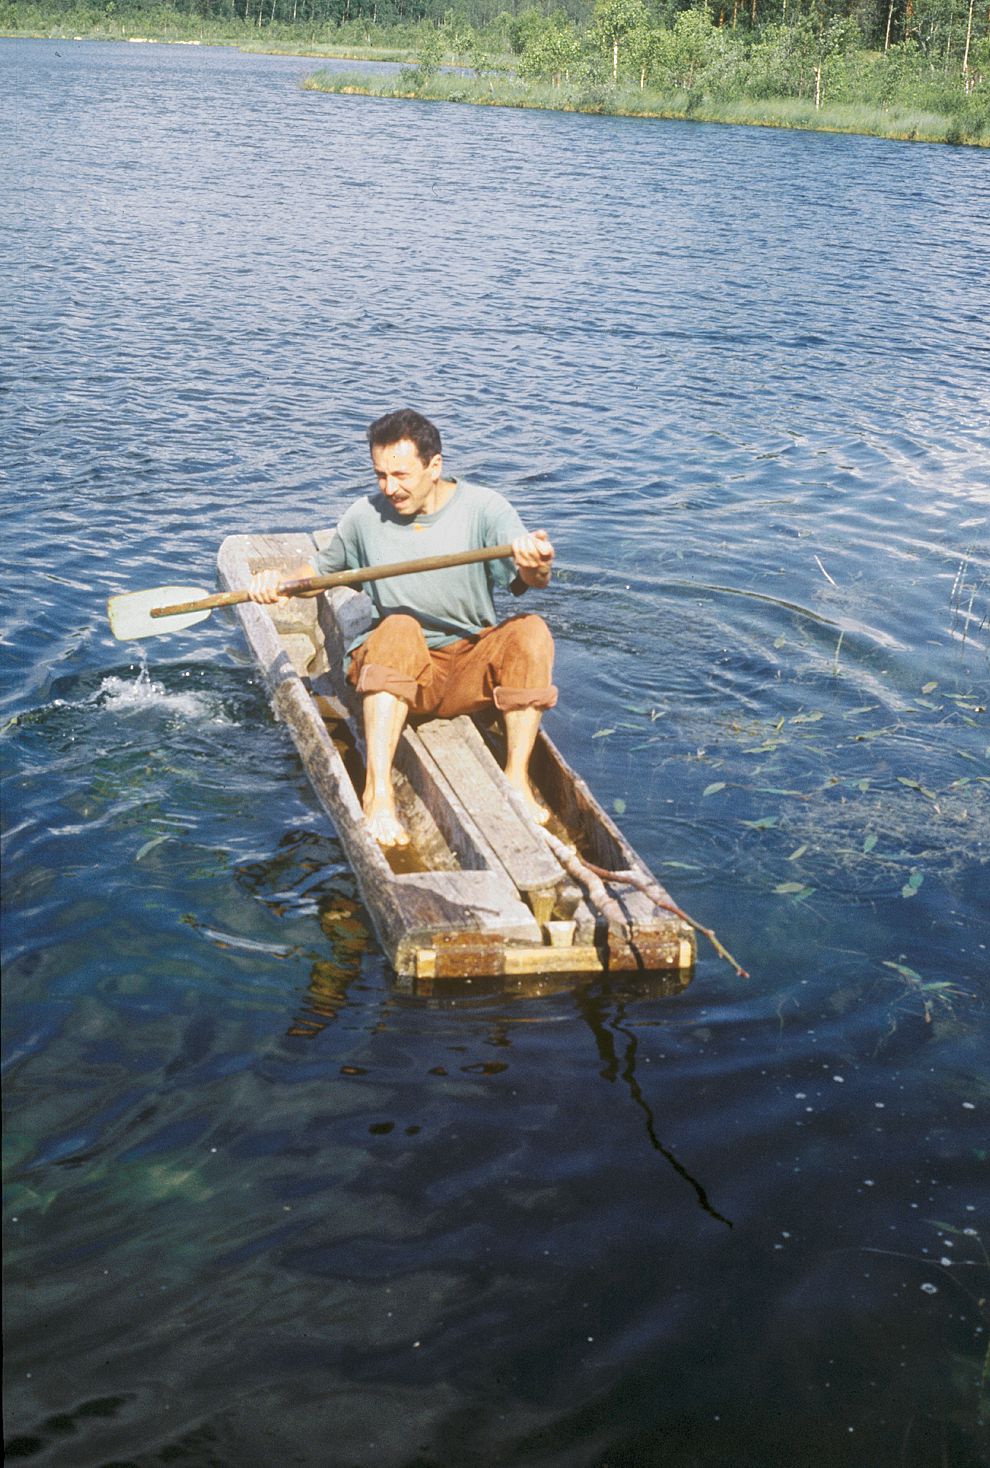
406,423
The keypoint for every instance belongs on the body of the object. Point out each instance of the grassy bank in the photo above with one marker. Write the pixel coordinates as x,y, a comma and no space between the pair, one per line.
773,76
266,46
905,124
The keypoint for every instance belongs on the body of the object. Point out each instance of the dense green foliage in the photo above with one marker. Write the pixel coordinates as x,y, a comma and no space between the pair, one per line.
818,54
937,28
926,59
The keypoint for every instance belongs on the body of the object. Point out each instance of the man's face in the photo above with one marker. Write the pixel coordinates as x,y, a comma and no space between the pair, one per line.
404,479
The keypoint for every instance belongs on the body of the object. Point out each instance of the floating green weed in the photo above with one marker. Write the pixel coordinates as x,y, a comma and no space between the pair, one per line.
913,884
915,785
879,837
646,710
797,890
905,972
150,846
873,831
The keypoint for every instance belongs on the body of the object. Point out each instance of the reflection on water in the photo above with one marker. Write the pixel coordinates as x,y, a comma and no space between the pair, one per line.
607,1027
347,930
261,1197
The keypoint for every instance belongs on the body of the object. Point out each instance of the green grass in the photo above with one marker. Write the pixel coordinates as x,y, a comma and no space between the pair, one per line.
905,123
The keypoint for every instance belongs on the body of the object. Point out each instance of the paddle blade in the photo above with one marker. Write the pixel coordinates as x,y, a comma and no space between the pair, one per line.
130,614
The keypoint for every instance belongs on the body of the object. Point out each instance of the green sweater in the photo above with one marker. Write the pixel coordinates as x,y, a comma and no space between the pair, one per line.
448,604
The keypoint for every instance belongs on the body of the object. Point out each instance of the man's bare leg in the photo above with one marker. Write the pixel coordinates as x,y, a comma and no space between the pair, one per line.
521,729
384,717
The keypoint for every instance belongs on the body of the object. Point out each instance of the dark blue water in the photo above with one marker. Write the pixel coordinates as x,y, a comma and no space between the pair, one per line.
261,1207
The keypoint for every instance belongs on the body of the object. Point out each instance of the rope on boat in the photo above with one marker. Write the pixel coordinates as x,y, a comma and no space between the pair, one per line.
593,880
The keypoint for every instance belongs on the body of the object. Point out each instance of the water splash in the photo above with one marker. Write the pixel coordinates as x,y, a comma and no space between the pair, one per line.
144,693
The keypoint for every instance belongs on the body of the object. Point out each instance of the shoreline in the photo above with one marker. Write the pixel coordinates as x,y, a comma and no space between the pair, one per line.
451,87
832,120
229,43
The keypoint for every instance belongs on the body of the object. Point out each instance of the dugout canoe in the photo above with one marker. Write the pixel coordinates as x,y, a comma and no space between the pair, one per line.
478,892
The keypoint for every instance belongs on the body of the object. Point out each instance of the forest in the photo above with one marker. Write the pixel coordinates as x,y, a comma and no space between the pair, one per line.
903,68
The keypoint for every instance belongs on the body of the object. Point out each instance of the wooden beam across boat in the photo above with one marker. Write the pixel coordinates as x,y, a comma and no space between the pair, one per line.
478,892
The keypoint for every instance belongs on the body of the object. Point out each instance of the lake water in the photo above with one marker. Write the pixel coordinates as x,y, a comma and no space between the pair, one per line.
261,1207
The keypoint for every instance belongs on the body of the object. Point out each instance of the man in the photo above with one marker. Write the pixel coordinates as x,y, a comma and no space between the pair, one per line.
435,649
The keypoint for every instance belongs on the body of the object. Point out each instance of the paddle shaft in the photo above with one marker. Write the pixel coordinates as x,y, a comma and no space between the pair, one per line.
341,578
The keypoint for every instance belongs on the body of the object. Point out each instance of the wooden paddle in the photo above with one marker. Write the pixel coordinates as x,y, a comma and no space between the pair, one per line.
171,608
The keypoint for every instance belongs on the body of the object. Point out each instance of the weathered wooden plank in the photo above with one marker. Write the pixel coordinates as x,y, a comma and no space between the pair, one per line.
583,958
477,900
482,959
600,841
467,764
537,985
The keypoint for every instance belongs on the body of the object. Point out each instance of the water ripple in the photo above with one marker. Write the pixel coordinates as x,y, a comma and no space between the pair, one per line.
252,1187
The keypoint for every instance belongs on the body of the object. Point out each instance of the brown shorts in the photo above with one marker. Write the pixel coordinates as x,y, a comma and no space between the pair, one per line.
510,666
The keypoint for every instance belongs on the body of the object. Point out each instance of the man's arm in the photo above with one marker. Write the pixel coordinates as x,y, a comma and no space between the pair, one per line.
533,555
263,587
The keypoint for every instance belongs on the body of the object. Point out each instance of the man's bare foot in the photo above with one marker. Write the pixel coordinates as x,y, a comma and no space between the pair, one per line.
385,826
534,809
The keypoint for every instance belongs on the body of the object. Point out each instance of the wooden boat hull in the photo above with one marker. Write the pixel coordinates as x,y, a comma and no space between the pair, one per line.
479,892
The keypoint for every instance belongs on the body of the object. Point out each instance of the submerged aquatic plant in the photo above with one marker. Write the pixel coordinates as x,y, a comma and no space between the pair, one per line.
882,840
933,995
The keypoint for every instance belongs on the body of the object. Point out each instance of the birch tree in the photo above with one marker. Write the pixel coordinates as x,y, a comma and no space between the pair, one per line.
549,52
611,23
